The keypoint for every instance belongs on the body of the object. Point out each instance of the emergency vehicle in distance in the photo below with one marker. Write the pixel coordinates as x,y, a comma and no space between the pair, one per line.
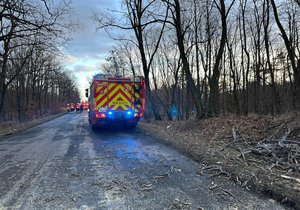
70,107
116,100
85,105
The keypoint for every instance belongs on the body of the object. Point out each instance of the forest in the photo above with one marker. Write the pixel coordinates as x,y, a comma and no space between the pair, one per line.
200,58
208,58
33,82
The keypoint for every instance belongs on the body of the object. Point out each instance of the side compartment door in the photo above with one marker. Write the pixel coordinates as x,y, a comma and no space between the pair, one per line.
138,90
101,96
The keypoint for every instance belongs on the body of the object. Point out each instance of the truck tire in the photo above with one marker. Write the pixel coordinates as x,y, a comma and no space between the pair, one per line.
94,127
131,126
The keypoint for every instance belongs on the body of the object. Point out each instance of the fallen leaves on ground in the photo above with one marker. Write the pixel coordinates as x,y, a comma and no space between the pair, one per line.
261,153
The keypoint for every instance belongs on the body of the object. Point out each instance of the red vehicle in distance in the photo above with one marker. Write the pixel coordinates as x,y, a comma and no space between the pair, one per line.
70,107
85,105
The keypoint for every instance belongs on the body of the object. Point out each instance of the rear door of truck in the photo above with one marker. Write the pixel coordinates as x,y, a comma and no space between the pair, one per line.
120,95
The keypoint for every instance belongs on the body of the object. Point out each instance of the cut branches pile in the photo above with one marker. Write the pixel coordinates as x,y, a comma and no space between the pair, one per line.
283,153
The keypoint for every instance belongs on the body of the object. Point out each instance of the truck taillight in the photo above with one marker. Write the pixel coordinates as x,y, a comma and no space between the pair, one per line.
102,115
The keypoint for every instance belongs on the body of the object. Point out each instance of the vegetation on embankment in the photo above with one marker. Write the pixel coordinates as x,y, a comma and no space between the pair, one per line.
12,127
261,153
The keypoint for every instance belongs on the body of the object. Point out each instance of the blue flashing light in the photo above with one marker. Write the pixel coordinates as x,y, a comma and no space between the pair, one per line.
129,113
110,114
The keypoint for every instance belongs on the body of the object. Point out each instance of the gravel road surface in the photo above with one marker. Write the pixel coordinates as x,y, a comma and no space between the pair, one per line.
63,164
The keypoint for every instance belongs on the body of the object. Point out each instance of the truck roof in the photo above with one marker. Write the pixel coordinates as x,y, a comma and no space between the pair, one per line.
109,77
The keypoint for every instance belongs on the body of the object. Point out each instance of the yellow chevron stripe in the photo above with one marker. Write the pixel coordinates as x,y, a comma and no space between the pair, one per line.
100,86
119,105
115,100
100,95
119,87
98,89
114,90
136,109
100,103
129,89
120,95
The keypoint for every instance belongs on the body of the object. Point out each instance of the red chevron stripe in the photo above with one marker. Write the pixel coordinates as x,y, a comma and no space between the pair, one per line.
121,92
105,104
138,109
104,95
112,88
122,84
111,107
107,93
96,94
103,88
102,98
119,107
113,96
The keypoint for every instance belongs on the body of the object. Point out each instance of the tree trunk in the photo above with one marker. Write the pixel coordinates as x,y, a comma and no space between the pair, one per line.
213,109
234,79
3,86
185,65
270,66
291,53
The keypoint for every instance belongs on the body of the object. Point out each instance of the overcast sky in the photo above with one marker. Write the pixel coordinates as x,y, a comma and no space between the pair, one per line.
88,47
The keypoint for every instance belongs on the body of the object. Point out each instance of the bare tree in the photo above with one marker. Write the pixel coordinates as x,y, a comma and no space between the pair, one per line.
295,62
257,73
24,23
176,11
270,67
138,16
245,55
298,2
213,109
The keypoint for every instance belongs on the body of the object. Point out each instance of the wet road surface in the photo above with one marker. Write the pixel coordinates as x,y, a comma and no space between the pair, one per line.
63,164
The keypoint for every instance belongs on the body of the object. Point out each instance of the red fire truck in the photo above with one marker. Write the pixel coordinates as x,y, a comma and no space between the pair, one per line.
116,100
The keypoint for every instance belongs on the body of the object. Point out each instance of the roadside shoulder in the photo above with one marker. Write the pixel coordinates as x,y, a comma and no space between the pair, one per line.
244,149
12,127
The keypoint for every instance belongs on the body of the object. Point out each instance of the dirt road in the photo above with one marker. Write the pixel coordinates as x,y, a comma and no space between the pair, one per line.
63,164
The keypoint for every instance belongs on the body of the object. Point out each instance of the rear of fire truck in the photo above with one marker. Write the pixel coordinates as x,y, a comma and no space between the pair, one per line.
116,101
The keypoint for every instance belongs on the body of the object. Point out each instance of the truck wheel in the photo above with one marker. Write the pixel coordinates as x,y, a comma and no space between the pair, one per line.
131,126
94,127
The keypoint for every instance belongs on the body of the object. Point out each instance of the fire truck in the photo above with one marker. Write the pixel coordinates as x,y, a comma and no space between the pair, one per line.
116,100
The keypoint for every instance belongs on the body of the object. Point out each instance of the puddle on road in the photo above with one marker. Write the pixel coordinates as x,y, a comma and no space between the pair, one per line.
128,150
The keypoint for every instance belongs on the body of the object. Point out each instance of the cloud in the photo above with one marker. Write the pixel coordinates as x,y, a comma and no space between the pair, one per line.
88,47
82,64
84,69
87,41
88,44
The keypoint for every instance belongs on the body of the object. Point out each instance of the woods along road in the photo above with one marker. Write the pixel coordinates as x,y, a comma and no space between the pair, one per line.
63,164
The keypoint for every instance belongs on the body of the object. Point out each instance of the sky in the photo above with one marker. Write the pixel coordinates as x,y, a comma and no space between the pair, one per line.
88,47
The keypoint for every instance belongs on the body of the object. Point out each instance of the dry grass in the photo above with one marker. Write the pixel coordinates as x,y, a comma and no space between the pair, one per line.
11,127
232,142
